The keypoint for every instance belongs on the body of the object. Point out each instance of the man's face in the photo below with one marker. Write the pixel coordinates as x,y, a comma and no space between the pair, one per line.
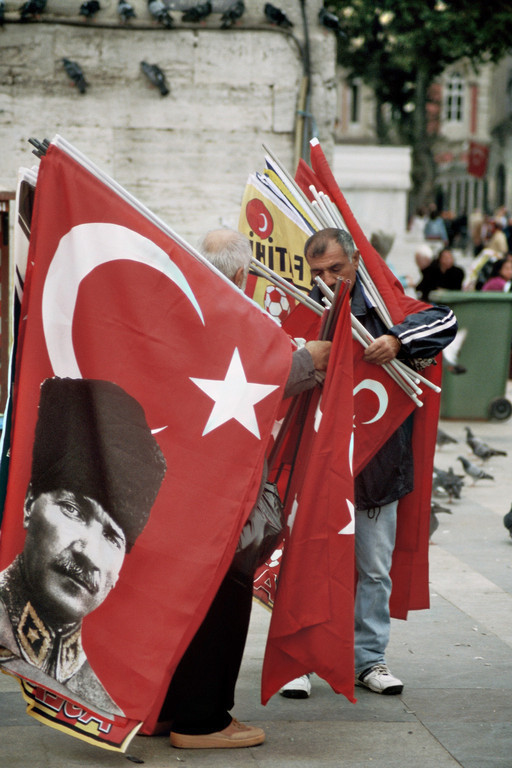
73,554
334,263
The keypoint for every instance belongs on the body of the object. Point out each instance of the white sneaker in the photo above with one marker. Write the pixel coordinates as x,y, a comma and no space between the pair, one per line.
300,688
380,680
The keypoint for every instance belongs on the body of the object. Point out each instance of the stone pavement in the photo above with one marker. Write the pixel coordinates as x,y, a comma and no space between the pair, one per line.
455,660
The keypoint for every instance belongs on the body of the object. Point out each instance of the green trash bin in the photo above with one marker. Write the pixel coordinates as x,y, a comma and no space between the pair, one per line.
485,353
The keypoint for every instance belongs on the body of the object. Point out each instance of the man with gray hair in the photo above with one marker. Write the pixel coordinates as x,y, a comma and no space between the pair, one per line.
422,334
201,692
230,252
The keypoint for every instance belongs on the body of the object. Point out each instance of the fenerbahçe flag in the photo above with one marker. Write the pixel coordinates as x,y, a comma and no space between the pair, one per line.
145,393
277,232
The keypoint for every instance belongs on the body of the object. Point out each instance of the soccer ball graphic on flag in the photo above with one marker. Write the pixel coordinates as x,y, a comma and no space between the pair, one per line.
276,302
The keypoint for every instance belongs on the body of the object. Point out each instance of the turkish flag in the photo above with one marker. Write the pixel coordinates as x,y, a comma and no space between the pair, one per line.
115,295
478,156
312,625
380,406
410,558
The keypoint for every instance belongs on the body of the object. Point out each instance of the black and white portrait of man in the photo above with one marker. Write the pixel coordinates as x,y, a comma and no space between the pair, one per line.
96,472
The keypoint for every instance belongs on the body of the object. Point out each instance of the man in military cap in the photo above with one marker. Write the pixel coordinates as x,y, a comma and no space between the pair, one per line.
96,471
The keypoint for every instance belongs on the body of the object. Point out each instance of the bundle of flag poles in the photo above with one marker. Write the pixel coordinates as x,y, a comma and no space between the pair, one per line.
318,214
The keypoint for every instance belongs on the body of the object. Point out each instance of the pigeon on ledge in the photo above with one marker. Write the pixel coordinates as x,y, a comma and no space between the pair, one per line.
277,16
125,10
232,14
197,12
89,8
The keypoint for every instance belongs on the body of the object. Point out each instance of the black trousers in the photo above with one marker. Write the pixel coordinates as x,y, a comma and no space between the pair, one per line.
202,690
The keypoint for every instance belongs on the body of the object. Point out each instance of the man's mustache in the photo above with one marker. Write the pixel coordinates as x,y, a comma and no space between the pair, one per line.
85,574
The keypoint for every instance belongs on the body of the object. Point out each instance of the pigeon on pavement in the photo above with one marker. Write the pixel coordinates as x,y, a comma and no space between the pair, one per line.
448,482
479,448
443,438
477,473
436,509
507,521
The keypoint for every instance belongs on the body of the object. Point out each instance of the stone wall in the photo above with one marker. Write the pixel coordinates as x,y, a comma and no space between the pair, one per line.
186,155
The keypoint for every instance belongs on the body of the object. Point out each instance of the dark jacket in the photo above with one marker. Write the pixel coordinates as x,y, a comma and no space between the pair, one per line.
389,474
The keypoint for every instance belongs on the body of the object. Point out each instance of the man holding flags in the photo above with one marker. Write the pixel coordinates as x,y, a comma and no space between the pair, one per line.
388,477
202,690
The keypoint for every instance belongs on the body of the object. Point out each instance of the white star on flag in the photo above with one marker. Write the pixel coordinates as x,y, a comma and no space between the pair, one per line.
234,397
293,514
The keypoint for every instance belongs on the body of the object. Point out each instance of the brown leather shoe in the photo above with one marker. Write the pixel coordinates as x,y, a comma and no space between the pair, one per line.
235,735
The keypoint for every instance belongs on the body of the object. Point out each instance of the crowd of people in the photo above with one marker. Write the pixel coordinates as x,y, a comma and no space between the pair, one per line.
487,238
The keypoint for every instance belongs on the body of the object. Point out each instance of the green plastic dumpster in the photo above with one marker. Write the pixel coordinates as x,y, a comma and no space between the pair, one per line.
485,353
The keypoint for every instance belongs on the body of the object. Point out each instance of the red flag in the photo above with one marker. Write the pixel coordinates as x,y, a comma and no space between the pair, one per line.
116,295
410,558
312,625
478,157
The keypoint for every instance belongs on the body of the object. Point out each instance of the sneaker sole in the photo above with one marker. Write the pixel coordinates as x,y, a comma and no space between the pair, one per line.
295,694
391,690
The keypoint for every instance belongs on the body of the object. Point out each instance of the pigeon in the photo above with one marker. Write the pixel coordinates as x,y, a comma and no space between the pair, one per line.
330,21
443,438
2,11
232,14
436,509
507,521
197,12
89,8
32,9
448,482
277,16
125,10
479,448
155,76
160,12
74,71
477,473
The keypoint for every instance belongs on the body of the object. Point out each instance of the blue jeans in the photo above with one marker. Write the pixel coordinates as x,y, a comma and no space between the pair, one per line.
374,545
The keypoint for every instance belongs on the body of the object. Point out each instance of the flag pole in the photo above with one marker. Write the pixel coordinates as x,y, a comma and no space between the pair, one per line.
289,288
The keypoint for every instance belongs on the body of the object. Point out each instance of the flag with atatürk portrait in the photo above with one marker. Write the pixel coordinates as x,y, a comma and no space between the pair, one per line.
114,296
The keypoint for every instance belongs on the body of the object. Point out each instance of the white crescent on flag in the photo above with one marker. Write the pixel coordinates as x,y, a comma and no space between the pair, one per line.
378,389
79,252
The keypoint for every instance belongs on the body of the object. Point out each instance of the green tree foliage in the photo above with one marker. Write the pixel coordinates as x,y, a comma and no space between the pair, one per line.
399,47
